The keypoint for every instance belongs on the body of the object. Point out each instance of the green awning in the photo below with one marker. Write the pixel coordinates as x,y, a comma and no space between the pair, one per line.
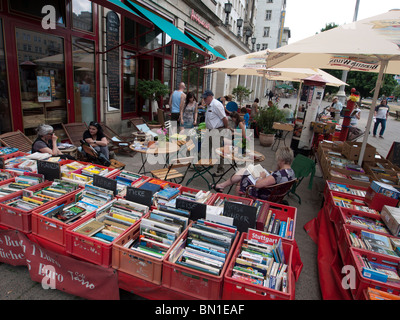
166,26
207,46
123,9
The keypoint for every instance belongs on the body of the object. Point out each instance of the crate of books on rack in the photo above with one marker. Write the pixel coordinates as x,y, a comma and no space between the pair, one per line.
9,153
380,194
6,175
85,174
375,294
126,179
92,239
260,269
141,251
18,183
67,167
277,219
163,191
339,200
51,221
367,241
348,189
14,162
197,264
376,272
219,199
16,209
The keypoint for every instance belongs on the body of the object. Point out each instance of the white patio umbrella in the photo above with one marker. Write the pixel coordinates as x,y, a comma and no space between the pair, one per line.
371,45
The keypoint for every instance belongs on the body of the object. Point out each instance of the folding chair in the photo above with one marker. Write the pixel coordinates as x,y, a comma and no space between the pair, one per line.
302,167
74,132
171,172
16,139
137,121
118,143
275,193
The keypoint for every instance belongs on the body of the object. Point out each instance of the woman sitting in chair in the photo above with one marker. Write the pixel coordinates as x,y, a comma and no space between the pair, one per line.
284,158
96,138
46,142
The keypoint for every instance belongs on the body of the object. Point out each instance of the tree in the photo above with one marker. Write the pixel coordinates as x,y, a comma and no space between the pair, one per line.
240,93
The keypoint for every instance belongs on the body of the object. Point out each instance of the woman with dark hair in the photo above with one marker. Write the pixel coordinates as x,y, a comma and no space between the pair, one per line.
189,112
96,138
254,108
239,124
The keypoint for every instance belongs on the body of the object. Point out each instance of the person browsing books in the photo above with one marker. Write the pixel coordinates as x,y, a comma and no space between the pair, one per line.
46,142
284,157
96,138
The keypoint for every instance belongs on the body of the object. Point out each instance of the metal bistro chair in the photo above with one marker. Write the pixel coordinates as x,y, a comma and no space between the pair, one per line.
171,172
302,167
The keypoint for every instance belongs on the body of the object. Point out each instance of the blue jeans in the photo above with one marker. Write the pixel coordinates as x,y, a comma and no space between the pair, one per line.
383,126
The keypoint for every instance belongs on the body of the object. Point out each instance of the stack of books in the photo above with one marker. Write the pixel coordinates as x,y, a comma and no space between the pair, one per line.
375,294
206,247
95,197
68,168
31,200
353,204
368,223
200,196
112,220
124,180
220,201
20,183
373,242
14,162
7,150
159,231
262,264
66,214
345,189
5,175
382,272
279,227
165,195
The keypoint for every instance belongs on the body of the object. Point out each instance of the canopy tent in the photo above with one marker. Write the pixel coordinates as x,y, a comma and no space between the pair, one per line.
369,45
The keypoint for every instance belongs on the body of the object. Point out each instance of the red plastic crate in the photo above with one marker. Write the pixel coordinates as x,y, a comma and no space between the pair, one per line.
228,197
346,213
52,229
88,248
197,284
12,180
362,283
282,212
344,243
16,218
13,174
377,200
327,190
235,289
333,210
14,155
136,263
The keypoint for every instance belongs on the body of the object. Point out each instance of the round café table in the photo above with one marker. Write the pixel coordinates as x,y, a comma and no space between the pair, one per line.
166,149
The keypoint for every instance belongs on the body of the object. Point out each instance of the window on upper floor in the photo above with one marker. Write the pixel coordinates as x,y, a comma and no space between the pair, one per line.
268,14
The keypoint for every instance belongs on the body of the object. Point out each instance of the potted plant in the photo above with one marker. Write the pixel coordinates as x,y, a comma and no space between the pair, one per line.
152,90
240,93
265,120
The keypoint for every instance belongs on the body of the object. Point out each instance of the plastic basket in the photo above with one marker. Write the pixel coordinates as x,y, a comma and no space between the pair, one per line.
52,229
136,263
195,283
235,289
228,197
88,248
377,200
15,218
282,212
362,283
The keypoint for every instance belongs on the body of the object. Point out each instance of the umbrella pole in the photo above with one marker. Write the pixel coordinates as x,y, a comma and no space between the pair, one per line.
298,98
383,66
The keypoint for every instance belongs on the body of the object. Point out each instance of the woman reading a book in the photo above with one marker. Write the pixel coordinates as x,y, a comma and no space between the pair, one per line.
46,142
96,138
284,157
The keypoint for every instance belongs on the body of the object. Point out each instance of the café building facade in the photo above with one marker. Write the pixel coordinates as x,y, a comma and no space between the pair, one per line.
64,61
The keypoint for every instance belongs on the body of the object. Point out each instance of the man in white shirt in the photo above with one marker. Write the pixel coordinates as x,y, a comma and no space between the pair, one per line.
215,119
381,114
336,108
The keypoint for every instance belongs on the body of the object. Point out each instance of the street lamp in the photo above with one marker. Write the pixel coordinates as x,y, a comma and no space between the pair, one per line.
248,34
239,25
228,9
253,41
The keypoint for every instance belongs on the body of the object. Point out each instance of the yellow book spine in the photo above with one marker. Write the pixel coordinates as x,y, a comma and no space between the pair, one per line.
118,216
32,200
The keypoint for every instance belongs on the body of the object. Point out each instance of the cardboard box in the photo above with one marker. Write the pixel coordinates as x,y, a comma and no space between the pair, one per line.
385,189
327,174
352,150
391,217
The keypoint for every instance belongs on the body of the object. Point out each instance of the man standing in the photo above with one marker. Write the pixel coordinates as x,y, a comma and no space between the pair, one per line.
381,115
215,118
177,101
335,109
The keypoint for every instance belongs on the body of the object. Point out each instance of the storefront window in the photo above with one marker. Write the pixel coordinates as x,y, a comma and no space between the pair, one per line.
83,58
34,8
42,80
151,40
82,15
129,83
5,114
192,74
130,31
